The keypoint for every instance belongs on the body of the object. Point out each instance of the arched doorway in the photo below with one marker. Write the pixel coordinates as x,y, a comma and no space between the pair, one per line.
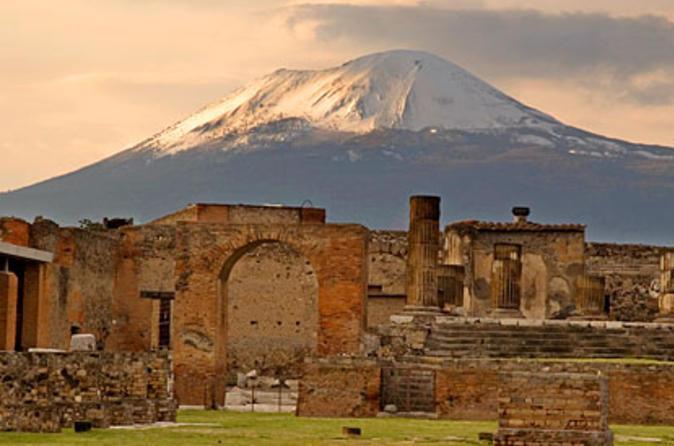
270,299
205,257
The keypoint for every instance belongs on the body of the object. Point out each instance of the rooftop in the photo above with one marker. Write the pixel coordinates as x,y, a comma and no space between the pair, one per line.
520,226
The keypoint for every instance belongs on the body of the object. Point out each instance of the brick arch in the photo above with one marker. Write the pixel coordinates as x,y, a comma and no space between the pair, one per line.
205,252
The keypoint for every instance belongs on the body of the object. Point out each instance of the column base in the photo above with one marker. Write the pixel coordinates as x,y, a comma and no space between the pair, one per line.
665,318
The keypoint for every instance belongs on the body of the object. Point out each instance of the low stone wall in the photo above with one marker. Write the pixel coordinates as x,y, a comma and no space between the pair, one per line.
555,409
43,392
467,389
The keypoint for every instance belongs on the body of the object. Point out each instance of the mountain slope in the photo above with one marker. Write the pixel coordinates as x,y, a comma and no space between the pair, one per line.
407,90
359,139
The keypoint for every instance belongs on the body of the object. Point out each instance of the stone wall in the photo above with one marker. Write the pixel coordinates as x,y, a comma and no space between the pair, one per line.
555,409
42,392
467,389
387,270
552,262
632,278
76,289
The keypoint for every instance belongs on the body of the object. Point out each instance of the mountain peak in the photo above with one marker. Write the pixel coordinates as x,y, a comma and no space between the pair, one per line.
398,89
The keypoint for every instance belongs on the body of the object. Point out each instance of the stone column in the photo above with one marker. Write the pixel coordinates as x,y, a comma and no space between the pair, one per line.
666,301
9,293
422,255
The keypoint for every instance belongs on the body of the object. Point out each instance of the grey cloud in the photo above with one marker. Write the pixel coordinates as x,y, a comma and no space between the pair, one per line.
507,43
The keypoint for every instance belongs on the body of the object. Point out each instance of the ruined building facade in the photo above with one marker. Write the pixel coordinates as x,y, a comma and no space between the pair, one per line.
230,288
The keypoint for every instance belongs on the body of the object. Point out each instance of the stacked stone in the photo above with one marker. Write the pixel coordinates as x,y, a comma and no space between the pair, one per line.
389,242
553,409
25,400
43,392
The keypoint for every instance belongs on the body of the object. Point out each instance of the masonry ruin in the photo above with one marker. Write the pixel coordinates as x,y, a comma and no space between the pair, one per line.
554,409
227,289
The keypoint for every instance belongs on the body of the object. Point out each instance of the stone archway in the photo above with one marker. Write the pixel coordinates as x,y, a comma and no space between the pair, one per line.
338,255
270,297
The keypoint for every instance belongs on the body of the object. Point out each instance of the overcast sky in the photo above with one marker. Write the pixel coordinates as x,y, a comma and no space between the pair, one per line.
83,79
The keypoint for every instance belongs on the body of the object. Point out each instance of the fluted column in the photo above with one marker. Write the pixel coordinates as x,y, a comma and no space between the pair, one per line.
422,256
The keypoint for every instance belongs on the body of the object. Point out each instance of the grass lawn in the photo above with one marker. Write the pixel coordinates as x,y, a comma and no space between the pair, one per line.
228,428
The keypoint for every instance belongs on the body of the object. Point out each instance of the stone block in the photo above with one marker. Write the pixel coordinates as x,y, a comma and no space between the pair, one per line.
402,319
83,343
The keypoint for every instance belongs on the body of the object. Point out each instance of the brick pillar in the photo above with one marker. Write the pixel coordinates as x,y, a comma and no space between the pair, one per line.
422,256
9,293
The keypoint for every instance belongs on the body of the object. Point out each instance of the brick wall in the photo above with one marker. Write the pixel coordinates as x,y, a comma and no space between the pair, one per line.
77,288
340,389
206,254
146,263
638,393
14,231
467,389
42,392
272,311
243,214
554,409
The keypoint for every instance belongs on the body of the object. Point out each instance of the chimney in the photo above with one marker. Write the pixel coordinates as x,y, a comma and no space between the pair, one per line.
520,214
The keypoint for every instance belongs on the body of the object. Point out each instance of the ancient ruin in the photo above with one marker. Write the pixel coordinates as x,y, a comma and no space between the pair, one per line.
370,322
554,409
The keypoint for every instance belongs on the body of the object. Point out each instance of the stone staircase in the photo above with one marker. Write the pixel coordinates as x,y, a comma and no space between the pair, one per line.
550,339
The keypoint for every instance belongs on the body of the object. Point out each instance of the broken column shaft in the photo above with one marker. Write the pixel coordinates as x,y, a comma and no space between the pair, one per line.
422,257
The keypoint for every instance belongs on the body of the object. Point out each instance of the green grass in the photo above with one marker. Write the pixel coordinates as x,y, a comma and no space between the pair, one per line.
227,428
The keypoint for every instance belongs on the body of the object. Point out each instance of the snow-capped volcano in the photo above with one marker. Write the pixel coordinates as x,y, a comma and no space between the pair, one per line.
358,139
406,90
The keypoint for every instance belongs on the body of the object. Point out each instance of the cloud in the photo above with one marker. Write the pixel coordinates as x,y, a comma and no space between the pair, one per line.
510,43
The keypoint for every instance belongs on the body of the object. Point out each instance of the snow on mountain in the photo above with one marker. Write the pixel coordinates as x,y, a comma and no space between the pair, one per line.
407,90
